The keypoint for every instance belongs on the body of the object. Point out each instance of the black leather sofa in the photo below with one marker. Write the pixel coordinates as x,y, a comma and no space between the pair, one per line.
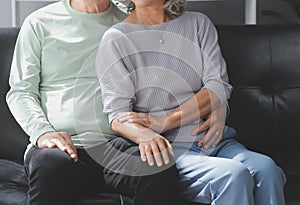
264,68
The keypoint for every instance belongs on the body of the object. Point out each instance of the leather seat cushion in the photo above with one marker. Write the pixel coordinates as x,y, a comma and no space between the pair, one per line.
13,183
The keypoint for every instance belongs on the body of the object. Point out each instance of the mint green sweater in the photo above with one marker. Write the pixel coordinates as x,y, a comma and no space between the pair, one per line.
53,82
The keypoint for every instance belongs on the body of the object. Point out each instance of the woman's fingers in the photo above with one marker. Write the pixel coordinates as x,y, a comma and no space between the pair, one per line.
156,151
143,152
157,154
149,155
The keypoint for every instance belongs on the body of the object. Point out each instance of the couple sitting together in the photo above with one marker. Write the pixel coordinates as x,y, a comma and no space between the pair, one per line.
133,104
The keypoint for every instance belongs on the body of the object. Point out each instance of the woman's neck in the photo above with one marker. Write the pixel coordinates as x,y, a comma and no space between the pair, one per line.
90,6
149,15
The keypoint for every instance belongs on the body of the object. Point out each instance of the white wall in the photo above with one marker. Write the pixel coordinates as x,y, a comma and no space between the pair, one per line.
5,19
221,12
22,10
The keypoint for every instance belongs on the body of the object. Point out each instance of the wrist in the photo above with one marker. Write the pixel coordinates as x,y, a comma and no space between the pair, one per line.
171,121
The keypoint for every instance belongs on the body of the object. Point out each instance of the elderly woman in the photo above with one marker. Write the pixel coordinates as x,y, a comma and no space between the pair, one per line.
157,59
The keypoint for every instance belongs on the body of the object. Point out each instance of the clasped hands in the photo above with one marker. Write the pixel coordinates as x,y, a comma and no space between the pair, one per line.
157,149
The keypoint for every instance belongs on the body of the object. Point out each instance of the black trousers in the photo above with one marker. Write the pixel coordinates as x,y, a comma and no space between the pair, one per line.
115,166
53,178
125,172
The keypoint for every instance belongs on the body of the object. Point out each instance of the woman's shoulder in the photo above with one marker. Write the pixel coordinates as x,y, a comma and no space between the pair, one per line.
196,18
196,15
113,34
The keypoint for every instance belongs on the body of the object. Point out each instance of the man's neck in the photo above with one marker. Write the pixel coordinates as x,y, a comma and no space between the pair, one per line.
90,6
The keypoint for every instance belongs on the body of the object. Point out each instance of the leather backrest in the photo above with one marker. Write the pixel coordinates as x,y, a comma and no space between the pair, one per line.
13,140
264,69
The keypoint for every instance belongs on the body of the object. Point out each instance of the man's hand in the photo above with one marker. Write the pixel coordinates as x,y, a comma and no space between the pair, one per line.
156,149
61,140
214,125
157,124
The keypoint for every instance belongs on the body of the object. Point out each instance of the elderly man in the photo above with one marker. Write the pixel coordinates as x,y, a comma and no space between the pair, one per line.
55,98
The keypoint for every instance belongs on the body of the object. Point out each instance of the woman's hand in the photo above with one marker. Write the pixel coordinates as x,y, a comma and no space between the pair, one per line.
153,147
156,150
157,124
214,125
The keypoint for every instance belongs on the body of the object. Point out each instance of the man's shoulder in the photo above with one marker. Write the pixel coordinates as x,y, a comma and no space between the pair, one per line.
47,12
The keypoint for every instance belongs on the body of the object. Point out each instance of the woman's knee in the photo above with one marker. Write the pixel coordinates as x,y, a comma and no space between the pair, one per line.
238,175
266,169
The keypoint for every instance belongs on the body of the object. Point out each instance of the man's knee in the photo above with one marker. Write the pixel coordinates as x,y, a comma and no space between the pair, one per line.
47,161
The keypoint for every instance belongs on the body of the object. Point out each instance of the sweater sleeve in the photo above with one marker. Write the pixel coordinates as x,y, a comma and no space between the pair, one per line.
215,76
115,79
23,97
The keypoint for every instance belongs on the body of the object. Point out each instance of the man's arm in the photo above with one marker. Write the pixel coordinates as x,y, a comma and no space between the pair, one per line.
23,97
194,109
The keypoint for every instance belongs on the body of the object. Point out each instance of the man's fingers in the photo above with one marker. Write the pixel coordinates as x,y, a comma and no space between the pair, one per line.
71,150
63,145
124,119
206,140
135,119
50,144
213,139
58,143
125,116
197,121
144,122
202,141
203,127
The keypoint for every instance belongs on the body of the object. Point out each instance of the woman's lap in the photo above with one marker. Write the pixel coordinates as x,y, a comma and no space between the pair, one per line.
200,169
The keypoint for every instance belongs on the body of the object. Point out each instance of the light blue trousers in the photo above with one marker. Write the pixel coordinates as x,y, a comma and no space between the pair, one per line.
228,174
